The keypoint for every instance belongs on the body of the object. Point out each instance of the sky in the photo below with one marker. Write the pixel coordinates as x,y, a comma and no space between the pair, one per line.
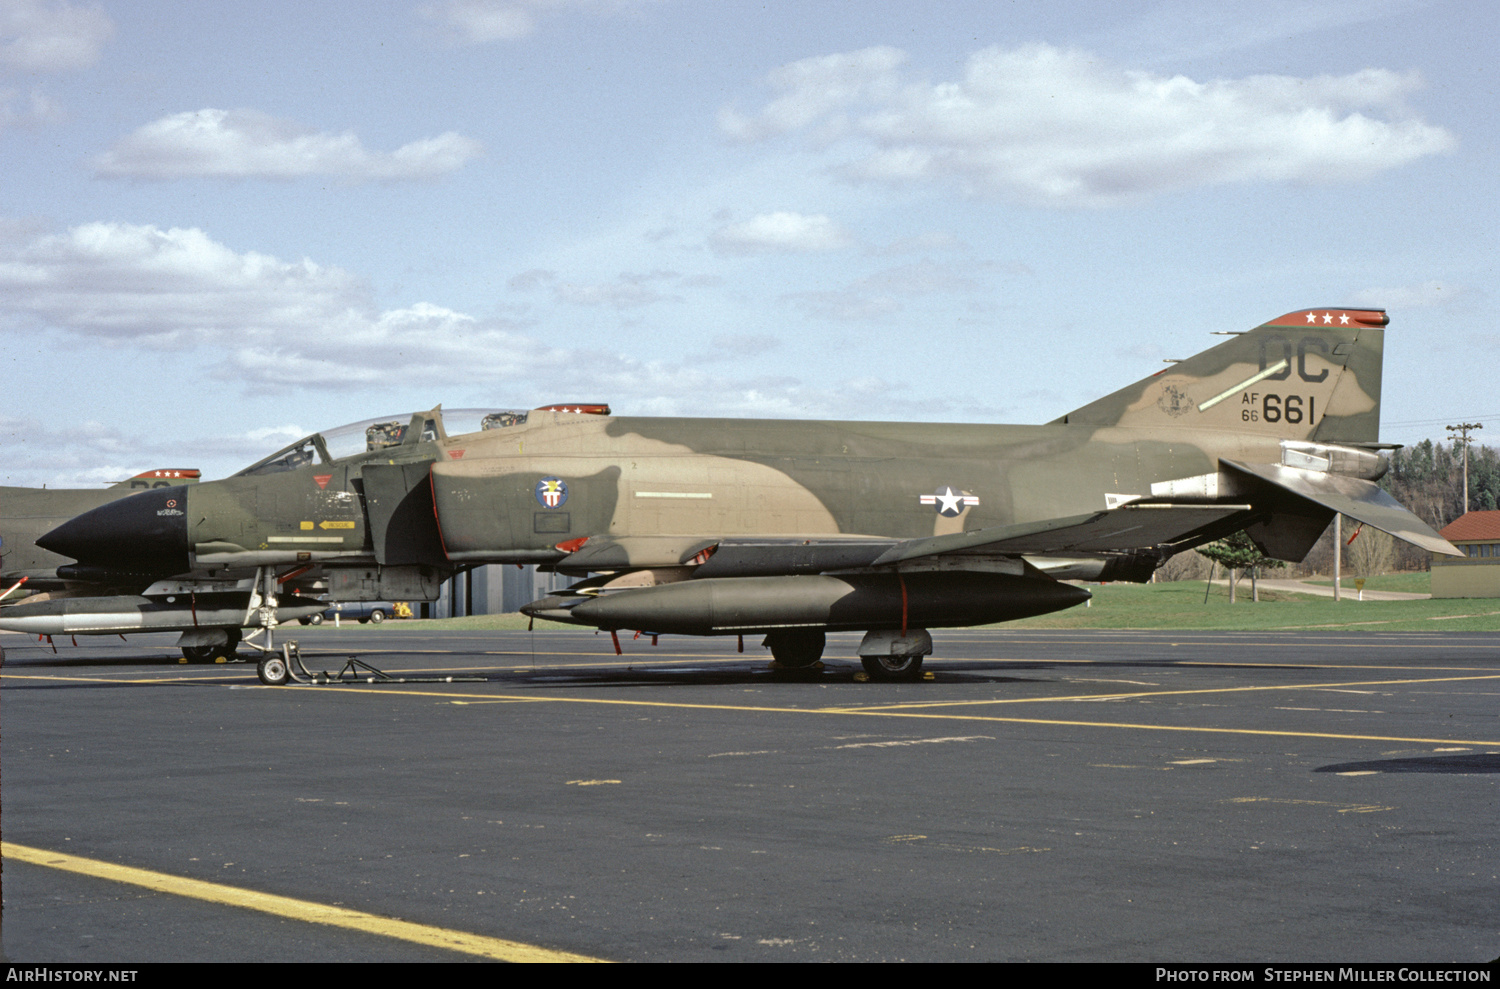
224,226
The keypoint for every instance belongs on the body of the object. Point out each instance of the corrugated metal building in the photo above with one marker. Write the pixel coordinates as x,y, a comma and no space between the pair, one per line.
493,590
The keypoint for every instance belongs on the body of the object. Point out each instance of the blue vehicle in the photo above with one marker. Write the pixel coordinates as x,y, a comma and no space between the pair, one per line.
360,611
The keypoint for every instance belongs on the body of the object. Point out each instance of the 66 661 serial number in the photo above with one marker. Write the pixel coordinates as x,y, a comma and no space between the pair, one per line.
1272,407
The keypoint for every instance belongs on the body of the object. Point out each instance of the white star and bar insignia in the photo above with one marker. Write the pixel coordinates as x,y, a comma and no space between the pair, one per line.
949,501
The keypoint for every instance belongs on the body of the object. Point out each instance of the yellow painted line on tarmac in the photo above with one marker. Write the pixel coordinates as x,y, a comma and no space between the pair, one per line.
1205,664
1186,640
198,678
246,669
1172,693
991,719
285,906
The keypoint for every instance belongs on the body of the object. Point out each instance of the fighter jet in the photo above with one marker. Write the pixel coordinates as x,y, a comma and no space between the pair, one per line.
27,513
127,594
792,529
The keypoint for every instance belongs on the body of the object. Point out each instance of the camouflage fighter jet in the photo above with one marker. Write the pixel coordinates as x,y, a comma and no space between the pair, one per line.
27,513
792,529
121,588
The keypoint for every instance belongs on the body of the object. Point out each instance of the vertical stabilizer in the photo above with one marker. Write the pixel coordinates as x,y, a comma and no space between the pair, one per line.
1313,374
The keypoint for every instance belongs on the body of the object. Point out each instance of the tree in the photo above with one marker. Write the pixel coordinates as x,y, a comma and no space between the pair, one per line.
1427,478
1371,552
1239,552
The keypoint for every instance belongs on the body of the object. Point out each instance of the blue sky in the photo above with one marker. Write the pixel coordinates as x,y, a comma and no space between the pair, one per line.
225,225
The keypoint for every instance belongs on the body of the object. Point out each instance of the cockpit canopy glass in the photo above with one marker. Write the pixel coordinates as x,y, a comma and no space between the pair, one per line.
374,435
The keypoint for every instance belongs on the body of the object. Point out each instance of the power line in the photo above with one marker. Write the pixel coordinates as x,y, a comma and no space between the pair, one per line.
1434,422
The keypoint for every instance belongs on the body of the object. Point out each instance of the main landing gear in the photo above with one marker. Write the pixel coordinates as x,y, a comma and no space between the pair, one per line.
895,655
885,655
796,648
892,667
210,652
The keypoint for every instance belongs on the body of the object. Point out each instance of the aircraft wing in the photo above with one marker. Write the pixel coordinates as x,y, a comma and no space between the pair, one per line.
1118,530
1124,530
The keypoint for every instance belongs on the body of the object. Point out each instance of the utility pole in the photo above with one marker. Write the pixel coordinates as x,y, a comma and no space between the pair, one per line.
1462,439
1338,552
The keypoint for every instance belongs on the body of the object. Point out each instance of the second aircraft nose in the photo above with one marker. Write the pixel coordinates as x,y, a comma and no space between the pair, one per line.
145,533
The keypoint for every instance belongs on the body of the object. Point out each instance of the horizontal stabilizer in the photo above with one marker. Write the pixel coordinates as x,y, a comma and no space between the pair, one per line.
1361,500
1118,530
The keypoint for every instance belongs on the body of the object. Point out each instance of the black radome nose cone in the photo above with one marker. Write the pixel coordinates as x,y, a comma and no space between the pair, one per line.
145,533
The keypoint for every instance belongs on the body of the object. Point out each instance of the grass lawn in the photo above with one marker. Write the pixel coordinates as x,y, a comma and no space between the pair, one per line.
1181,605
1412,583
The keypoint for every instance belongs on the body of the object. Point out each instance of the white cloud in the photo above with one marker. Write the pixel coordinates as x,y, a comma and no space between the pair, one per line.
35,108
819,87
97,454
630,290
780,232
55,36
270,326
881,293
42,36
478,22
246,143
1060,127
159,288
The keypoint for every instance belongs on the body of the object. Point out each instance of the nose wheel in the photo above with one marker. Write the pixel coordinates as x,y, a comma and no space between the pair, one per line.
272,670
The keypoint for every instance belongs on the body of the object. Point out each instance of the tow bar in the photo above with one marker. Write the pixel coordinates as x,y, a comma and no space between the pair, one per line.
275,670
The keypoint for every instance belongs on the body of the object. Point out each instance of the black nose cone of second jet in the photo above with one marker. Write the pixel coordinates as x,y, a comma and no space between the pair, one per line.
145,533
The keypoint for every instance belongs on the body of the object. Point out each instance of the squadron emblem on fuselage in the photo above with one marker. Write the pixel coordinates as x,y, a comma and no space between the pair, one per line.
551,492
1174,401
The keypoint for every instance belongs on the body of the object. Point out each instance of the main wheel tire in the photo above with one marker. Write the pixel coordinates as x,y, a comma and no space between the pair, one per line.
272,670
377,616
200,654
797,649
227,650
892,667
315,619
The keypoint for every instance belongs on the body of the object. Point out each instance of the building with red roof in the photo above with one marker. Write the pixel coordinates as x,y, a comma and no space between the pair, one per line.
1477,575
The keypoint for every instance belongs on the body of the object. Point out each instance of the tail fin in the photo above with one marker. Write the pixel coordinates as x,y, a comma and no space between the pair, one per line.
1313,374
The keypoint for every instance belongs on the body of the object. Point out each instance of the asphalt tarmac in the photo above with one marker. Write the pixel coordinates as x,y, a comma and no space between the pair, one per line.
1043,796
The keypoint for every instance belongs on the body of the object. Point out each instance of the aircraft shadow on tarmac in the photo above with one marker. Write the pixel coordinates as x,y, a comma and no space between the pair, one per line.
49,662
649,674
646,673
731,676
1484,762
